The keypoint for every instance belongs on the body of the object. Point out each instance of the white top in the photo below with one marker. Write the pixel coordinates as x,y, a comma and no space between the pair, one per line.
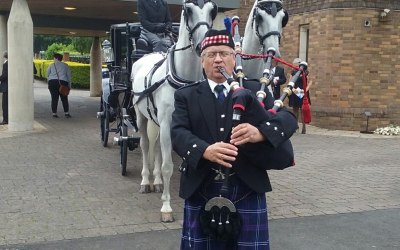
63,72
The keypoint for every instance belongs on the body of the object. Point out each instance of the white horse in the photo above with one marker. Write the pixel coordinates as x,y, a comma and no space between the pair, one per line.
157,77
263,31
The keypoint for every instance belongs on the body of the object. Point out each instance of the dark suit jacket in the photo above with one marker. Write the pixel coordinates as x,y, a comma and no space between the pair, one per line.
153,16
4,78
279,72
194,128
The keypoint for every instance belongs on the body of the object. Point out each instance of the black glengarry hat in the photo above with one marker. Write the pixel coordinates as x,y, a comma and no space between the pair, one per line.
217,37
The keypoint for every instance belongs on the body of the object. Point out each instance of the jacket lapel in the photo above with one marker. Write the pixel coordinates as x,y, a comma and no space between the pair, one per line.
209,111
206,101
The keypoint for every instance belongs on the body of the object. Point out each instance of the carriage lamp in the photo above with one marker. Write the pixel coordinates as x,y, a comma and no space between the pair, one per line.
107,52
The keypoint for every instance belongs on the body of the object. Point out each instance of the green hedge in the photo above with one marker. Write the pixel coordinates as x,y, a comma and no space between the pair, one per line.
80,72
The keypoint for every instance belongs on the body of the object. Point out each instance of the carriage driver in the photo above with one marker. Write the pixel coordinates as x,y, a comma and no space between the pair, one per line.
202,134
155,19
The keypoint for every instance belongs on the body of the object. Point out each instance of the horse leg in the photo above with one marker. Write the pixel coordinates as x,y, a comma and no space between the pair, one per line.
166,170
155,155
158,181
303,129
144,145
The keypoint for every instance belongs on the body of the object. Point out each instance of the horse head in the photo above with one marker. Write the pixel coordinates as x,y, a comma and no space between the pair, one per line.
268,19
197,18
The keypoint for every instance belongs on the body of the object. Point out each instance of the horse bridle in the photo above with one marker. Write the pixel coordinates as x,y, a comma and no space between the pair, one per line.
272,8
199,3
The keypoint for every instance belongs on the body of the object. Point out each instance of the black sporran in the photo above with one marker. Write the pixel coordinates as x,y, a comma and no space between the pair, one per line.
220,220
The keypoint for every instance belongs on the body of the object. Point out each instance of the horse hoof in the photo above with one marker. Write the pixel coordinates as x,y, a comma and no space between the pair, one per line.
158,188
167,217
144,189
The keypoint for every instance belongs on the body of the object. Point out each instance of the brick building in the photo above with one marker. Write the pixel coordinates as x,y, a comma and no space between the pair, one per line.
352,48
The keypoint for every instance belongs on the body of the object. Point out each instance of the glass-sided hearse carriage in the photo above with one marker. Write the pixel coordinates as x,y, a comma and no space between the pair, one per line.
116,113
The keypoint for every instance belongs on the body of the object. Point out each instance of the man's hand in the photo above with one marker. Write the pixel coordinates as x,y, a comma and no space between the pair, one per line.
244,133
221,153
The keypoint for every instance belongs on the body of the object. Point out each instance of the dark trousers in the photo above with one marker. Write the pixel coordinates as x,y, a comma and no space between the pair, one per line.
55,95
4,106
160,42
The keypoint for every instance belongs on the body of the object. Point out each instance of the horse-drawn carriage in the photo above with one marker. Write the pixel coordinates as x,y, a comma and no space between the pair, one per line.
116,113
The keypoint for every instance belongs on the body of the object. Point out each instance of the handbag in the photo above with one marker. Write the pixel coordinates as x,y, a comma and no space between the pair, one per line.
63,89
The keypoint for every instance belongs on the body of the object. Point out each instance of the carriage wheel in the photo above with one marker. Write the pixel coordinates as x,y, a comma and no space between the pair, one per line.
101,119
104,124
123,132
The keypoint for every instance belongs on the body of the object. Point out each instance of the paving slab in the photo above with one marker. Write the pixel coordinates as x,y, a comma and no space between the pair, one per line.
57,183
353,231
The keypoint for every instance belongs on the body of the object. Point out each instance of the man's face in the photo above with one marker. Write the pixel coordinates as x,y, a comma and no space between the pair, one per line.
212,61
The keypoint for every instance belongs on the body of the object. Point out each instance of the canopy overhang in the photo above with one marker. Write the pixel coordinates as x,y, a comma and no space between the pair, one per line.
91,17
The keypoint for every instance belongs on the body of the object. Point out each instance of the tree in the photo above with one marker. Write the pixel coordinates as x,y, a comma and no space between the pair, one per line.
82,44
58,48
41,42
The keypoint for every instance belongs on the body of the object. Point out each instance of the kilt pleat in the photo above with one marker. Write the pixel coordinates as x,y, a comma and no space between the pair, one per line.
252,208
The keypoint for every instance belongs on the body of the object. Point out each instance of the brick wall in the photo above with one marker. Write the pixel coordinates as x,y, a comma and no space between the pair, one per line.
354,68
243,13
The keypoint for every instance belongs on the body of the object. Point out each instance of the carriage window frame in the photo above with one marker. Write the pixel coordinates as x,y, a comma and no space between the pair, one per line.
120,45
304,35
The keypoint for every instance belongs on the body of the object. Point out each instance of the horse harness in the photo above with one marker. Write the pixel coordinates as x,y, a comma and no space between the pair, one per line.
199,3
272,7
171,77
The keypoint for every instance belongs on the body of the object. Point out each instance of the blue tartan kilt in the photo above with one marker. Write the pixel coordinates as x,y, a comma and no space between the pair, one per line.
251,206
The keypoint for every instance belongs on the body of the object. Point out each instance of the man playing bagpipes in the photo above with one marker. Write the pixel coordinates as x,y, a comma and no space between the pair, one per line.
223,173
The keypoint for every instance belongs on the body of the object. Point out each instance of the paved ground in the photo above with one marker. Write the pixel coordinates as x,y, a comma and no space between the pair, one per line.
60,189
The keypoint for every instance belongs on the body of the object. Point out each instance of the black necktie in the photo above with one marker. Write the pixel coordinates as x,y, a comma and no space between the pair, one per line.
220,92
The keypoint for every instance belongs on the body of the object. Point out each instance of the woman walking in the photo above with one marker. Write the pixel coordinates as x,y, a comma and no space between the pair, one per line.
58,73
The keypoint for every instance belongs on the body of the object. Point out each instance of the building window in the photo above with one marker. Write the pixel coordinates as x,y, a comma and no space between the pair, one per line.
303,45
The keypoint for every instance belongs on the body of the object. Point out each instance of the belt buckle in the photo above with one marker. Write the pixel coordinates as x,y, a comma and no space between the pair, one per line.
220,175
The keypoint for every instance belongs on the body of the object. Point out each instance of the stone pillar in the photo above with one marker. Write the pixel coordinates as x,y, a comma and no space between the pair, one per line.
3,47
20,70
95,68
